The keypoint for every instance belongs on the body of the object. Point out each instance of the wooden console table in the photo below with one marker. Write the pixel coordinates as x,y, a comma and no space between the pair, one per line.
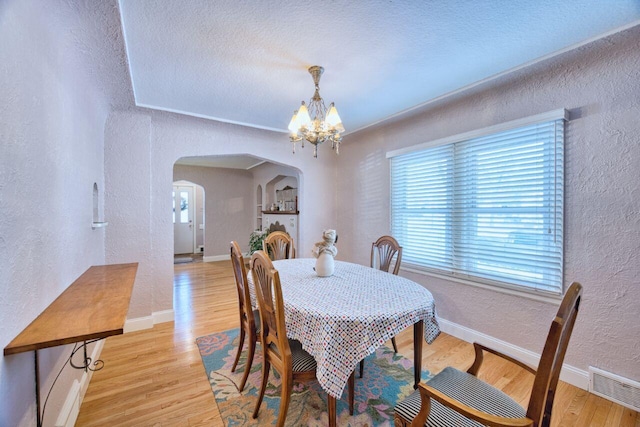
93,307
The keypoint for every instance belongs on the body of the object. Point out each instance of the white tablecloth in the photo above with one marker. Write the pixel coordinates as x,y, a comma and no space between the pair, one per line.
343,318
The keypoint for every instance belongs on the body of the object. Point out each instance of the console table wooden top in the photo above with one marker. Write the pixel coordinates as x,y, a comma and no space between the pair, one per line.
94,306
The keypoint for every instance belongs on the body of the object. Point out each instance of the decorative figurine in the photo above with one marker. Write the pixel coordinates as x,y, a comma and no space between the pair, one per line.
325,251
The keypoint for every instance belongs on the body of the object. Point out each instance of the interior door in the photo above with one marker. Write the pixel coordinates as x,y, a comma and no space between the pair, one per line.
183,231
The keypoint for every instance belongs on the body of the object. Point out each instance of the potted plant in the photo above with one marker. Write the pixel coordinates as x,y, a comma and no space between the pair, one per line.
255,240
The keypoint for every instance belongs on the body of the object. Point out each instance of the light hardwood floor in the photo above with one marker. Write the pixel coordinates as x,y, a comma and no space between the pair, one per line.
156,378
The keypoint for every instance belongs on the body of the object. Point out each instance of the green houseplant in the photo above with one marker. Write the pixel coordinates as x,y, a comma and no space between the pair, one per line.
255,240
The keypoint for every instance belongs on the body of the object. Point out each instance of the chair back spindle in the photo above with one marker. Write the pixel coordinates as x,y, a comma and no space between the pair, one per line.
278,245
270,304
384,252
240,273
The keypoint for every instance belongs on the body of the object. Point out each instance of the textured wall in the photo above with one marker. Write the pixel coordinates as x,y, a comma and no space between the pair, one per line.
229,205
600,85
128,202
171,137
51,152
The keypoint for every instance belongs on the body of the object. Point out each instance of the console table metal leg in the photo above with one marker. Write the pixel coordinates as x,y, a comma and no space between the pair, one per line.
87,361
37,369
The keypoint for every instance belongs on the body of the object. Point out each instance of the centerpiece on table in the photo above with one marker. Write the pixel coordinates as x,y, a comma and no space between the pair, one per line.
324,252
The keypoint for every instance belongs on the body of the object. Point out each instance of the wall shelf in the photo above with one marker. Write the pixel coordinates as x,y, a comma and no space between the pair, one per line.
95,225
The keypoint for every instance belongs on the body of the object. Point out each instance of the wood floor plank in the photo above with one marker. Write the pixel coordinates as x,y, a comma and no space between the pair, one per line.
156,378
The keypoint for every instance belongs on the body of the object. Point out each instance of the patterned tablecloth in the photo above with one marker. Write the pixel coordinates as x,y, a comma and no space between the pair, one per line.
343,318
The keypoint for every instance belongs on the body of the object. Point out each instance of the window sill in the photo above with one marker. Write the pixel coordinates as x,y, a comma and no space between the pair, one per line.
533,295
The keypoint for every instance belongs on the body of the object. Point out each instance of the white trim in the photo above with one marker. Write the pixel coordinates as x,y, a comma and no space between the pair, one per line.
162,316
213,258
558,114
520,292
194,222
86,377
147,322
71,408
217,119
256,165
126,49
497,76
138,324
572,375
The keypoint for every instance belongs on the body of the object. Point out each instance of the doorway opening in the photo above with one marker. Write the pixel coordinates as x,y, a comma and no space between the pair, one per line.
188,221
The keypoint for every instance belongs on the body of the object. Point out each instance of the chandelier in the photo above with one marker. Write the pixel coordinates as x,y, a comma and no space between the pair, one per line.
326,125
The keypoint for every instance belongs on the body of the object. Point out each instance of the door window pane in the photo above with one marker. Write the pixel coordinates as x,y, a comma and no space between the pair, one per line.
184,207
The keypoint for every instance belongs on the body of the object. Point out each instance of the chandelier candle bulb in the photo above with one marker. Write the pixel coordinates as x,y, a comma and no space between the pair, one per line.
293,124
303,120
333,119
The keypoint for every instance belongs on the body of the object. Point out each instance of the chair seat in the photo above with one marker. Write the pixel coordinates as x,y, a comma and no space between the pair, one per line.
301,361
467,389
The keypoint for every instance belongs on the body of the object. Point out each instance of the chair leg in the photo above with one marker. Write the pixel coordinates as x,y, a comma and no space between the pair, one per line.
247,367
395,346
352,391
240,345
285,397
361,368
266,367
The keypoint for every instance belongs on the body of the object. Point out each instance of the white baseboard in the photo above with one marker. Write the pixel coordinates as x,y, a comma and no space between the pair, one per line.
147,322
138,324
162,316
213,258
71,408
569,374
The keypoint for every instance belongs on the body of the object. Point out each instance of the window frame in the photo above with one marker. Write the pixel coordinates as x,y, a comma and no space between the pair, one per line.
511,288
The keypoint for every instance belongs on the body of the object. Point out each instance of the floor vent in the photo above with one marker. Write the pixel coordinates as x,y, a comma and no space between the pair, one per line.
615,388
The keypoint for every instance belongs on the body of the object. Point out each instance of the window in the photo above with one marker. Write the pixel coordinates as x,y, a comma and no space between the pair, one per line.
486,206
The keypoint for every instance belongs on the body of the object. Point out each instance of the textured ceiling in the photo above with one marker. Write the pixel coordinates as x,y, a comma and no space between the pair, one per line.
245,62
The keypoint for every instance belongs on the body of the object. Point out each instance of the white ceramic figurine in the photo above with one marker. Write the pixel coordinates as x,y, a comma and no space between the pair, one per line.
324,252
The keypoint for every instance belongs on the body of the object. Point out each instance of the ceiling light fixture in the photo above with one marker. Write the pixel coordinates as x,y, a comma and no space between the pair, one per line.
326,125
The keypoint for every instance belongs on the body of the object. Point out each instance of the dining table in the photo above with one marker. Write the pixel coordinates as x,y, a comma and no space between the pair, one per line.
342,318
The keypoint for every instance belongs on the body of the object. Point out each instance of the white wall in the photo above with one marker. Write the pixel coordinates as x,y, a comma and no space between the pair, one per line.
600,85
51,153
141,147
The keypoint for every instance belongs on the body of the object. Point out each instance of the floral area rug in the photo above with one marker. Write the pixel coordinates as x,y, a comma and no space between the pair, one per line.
388,378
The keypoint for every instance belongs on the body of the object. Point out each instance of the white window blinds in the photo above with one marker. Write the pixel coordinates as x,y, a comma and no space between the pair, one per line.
488,208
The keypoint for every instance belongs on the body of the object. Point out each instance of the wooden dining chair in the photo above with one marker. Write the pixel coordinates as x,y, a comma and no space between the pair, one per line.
384,252
286,356
249,318
279,245
459,398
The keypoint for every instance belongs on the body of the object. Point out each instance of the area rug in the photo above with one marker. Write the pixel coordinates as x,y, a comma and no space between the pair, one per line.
182,260
388,378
